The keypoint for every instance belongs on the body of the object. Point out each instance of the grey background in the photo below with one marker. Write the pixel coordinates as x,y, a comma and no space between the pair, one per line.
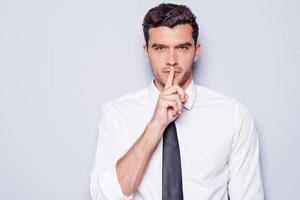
60,60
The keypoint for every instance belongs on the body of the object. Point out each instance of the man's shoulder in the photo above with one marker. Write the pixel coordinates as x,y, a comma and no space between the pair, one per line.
215,97
209,93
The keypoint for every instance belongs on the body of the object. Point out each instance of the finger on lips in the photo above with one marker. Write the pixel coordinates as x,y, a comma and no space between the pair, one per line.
170,79
174,94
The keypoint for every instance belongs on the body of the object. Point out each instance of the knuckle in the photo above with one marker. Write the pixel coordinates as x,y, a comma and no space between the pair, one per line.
174,104
177,96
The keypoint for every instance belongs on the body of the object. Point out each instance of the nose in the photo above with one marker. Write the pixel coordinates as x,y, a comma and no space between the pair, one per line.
171,58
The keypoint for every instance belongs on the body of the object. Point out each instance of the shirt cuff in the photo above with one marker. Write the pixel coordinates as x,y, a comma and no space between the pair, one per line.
106,184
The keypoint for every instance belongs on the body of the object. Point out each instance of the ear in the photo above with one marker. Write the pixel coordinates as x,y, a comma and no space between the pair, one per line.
146,55
197,52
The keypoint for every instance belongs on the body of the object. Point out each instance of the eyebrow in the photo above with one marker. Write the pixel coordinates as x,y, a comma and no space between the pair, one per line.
186,44
154,45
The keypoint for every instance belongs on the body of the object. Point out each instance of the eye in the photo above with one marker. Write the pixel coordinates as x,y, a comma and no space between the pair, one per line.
159,48
183,48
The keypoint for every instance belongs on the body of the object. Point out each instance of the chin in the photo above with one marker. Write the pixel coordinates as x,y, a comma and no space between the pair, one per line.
178,79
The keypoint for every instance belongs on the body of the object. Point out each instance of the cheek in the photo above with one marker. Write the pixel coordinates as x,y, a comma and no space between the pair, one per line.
156,61
186,60
158,57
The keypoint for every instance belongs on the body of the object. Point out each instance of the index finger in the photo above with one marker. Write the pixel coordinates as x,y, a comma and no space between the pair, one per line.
170,79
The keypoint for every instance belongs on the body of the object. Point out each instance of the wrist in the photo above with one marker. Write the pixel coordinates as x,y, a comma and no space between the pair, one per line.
156,126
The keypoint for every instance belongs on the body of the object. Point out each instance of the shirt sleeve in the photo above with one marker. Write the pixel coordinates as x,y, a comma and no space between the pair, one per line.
104,184
245,180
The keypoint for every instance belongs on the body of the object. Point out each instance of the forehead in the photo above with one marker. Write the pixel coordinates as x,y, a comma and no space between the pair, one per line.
171,36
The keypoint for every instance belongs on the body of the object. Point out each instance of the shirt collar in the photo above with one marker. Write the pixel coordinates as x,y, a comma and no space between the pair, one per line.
191,90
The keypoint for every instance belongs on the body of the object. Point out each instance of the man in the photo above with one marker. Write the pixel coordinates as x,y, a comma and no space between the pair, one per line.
175,139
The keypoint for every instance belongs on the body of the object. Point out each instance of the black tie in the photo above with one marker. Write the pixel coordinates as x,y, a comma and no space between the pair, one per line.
171,167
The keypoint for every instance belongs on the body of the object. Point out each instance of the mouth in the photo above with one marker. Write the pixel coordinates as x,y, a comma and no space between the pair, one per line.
168,71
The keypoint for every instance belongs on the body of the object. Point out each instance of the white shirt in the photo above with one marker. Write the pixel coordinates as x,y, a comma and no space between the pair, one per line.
219,147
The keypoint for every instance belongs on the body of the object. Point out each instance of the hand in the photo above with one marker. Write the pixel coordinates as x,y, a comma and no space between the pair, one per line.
170,102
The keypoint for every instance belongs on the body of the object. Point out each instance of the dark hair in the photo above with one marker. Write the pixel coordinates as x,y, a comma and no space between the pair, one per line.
169,15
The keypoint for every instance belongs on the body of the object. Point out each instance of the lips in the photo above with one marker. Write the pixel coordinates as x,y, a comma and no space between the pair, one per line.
168,70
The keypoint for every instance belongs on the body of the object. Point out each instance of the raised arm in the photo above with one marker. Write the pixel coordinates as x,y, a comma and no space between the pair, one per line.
120,173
